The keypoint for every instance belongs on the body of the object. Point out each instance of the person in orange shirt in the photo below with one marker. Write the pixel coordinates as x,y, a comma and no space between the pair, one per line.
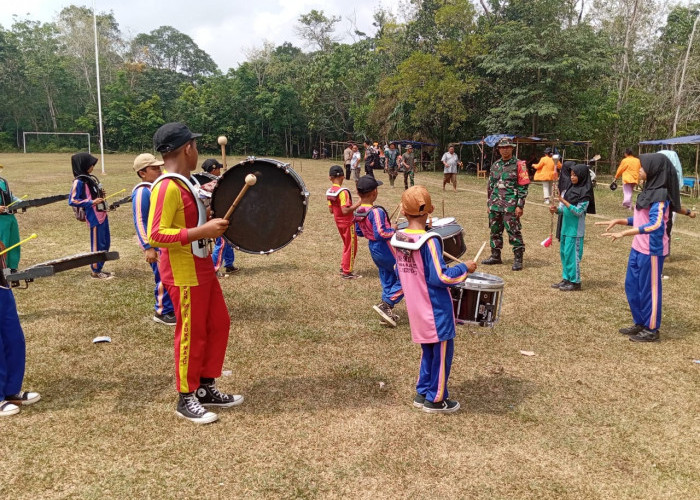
629,170
545,173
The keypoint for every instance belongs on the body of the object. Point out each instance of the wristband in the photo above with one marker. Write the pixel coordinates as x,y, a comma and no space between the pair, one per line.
688,212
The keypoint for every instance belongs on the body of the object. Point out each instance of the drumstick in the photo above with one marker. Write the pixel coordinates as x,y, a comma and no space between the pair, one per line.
114,194
223,140
443,208
394,212
452,257
18,244
17,201
478,254
250,180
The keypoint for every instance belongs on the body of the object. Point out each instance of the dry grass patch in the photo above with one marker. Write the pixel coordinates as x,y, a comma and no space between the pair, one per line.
592,415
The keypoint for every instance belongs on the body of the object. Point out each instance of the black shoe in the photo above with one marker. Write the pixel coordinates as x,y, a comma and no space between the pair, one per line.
419,400
189,407
646,335
209,395
495,258
518,259
570,287
445,406
631,330
384,310
165,319
560,284
232,269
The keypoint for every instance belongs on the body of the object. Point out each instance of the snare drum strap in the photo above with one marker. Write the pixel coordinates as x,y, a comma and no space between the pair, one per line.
199,247
401,240
147,185
332,194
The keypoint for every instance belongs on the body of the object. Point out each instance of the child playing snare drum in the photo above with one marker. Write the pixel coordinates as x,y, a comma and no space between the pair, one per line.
425,279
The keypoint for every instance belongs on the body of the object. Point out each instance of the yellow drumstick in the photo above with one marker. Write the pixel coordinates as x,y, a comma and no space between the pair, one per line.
115,194
394,212
17,201
18,244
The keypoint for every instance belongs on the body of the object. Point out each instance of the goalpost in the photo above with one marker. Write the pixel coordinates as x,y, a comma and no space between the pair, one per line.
24,137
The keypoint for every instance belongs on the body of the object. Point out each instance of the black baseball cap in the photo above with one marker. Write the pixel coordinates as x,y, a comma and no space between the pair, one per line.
211,164
171,136
367,183
336,171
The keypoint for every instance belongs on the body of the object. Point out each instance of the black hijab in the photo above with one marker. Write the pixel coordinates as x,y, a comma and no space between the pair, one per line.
565,176
81,163
583,190
661,183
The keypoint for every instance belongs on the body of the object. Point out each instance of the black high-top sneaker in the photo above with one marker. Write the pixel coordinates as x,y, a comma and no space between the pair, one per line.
189,407
209,395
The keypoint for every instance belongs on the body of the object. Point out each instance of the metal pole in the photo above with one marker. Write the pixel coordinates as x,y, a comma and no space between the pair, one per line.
99,97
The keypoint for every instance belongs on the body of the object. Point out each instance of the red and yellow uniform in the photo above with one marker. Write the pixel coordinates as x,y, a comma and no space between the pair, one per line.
340,197
201,334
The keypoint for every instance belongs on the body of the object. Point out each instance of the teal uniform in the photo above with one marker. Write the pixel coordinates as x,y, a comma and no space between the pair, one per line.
9,229
573,227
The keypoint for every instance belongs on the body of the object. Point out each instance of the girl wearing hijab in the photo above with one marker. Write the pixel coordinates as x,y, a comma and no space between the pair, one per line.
576,201
9,230
649,247
87,193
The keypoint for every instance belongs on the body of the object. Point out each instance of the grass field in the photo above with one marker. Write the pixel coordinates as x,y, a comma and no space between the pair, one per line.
328,388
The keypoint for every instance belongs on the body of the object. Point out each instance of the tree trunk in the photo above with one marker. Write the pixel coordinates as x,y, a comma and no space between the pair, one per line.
679,92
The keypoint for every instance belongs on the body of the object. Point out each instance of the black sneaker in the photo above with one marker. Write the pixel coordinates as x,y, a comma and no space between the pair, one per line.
350,276
631,330
166,319
570,287
209,395
384,310
444,406
419,400
646,335
560,284
189,407
232,269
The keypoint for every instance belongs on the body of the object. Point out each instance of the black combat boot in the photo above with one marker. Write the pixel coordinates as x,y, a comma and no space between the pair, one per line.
494,259
518,259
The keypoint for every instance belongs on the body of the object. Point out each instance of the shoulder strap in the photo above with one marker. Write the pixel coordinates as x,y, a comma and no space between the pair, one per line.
398,240
146,185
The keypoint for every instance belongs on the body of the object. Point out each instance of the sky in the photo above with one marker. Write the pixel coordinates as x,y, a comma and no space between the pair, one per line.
223,29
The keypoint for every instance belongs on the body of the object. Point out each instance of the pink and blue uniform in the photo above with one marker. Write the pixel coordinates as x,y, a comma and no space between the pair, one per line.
140,205
373,224
81,196
646,262
425,279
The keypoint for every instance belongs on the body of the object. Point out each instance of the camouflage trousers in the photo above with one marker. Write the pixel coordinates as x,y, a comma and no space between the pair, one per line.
498,221
408,175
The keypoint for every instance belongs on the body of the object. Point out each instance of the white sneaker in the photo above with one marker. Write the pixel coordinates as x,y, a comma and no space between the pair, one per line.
23,398
7,409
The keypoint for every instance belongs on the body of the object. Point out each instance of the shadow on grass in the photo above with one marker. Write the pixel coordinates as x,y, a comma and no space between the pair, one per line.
278,268
598,284
348,387
496,394
43,314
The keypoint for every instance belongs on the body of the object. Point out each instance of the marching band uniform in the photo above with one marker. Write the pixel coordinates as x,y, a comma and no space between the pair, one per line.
141,204
425,279
85,189
9,229
338,197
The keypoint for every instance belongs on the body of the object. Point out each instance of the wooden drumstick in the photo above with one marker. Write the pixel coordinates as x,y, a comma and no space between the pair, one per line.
18,244
478,254
452,257
394,212
222,140
250,180
17,201
114,194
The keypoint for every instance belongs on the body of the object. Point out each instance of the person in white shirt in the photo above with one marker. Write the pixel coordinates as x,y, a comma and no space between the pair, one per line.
451,161
355,163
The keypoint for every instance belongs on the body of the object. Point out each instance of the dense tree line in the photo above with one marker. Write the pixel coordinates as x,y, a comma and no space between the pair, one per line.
611,71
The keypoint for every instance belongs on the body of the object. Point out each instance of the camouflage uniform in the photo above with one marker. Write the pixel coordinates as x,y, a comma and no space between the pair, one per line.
504,195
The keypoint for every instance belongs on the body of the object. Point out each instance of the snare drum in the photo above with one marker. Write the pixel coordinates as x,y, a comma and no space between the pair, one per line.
443,221
452,236
477,301
272,212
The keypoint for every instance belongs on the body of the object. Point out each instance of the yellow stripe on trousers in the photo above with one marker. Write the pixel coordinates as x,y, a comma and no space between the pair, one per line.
185,337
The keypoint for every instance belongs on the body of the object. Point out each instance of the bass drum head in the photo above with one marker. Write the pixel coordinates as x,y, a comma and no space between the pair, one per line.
271,213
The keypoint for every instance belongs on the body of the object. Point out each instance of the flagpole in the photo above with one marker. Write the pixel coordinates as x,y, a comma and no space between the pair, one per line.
99,96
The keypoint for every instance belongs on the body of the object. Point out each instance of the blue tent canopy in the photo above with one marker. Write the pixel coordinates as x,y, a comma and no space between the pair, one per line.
688,139
415,144
492,140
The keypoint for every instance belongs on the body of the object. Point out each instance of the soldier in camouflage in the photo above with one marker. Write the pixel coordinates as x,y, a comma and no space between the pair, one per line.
506,199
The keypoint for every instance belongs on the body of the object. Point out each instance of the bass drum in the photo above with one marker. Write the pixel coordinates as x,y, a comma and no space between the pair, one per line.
271,213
